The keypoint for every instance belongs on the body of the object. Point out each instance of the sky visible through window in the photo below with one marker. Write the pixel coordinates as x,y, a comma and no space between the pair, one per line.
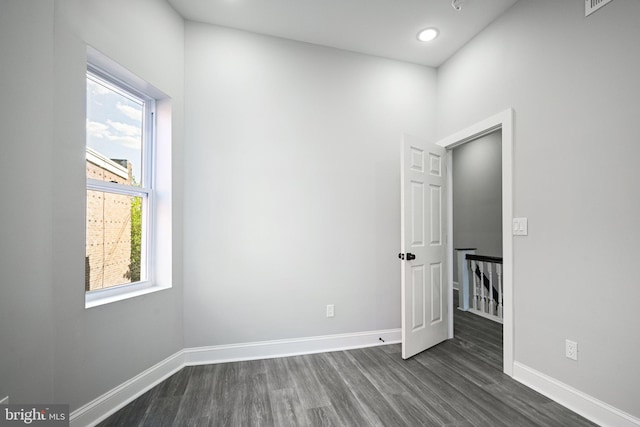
114,125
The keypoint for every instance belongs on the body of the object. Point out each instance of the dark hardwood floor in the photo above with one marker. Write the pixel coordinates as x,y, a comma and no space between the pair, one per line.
457,383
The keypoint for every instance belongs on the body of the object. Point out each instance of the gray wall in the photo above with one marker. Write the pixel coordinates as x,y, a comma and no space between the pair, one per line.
53,350
26,126
292,195
573,83
477,196
292,191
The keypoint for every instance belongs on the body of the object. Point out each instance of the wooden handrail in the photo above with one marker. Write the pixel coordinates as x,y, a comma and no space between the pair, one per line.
485,258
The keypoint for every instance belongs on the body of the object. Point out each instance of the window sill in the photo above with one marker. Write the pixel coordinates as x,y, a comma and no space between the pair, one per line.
119,293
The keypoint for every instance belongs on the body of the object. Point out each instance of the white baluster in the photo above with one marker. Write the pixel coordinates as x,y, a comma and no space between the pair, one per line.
475,284
483,298
492,306
499,273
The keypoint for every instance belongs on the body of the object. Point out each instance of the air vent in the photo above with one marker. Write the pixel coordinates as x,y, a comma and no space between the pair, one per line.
591,6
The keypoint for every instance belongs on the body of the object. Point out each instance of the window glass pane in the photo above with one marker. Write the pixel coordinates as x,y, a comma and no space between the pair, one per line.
114,240
114,134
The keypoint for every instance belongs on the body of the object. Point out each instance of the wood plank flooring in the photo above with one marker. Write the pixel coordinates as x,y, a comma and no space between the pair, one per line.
457,383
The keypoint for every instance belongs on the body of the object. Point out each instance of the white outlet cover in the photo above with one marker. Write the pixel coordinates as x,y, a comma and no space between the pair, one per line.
571,349
330,310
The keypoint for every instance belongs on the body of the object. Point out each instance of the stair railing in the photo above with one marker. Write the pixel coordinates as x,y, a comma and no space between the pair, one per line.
484,293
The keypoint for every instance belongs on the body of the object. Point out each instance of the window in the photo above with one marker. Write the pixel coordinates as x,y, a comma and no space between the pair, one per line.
119,187
123,256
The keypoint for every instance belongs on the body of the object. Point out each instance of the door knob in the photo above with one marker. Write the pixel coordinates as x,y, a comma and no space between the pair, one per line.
410,256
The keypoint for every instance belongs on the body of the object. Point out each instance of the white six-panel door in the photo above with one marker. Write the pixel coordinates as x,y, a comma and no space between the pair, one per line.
423,224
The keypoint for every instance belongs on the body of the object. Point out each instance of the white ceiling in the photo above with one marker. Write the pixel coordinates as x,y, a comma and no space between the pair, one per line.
386,28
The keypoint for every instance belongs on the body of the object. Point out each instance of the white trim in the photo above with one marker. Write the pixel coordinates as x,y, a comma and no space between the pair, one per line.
503,120
102,65
115,188
99,409
581,403
487,316
475,131
289,347
100,297
456,285
102,407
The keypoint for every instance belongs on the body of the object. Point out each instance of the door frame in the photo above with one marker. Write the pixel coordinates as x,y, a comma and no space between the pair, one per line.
502,121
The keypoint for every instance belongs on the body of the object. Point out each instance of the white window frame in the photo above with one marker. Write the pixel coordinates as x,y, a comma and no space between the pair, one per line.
155,252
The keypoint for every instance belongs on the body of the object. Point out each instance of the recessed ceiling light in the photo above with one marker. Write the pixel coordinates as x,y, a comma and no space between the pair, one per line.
428,34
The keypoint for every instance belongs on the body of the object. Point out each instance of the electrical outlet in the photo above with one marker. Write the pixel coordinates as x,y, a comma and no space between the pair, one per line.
4,401
571,349
330,310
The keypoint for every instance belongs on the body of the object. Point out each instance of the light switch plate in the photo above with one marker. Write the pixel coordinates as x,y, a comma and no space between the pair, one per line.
520,227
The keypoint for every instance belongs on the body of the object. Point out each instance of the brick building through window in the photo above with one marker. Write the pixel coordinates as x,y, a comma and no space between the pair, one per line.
109,261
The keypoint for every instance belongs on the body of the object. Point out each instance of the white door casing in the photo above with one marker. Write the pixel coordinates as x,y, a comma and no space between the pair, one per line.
425,303
504,120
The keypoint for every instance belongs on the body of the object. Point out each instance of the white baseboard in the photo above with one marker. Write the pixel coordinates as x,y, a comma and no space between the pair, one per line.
99,409
288,347
581,403
456,286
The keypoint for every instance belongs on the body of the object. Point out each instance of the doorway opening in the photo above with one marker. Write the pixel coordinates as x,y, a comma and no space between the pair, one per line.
504,122
477,237
477,226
